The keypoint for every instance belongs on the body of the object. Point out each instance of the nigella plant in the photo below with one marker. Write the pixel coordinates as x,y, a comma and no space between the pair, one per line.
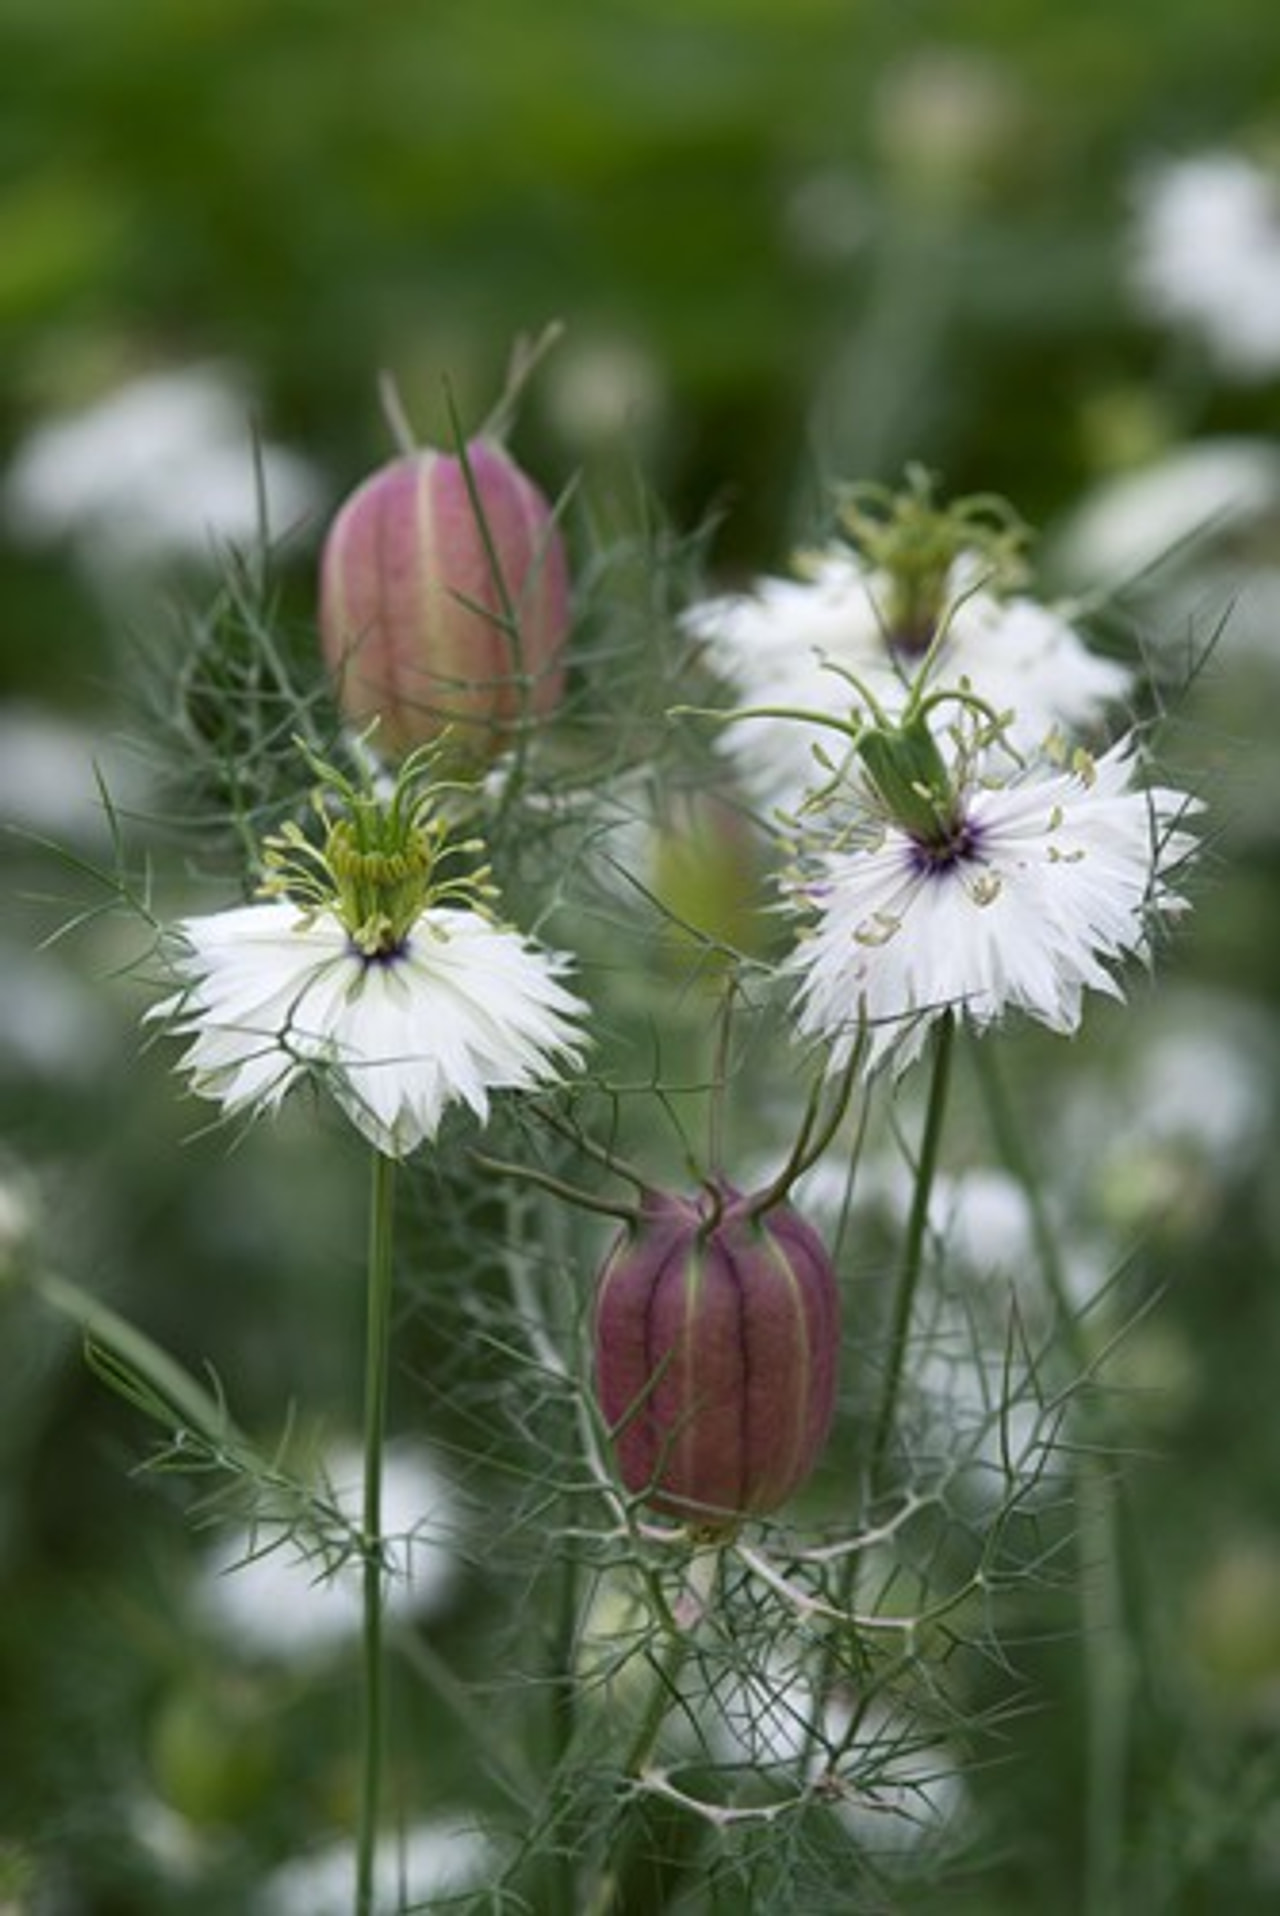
742,1479
373,965
942,878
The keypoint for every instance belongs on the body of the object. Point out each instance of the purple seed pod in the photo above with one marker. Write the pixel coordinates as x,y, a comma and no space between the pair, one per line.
717,1337
444,601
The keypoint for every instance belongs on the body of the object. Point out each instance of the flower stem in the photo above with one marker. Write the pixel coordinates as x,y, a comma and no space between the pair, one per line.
912,1250
377,1344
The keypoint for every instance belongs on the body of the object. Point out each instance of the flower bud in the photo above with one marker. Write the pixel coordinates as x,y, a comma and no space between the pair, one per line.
444,601
716,1345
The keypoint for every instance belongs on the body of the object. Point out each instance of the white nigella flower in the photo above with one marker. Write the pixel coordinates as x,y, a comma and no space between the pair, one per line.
929,591
948,888
374,966
1206,256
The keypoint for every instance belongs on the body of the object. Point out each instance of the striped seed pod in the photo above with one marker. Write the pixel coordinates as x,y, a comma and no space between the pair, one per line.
716,1346
444,601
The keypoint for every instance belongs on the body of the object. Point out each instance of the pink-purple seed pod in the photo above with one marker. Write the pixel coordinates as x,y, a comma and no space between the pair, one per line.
444,601
717,1335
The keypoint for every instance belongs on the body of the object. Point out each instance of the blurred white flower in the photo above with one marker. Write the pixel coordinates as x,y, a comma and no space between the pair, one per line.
173,1844
888,1780
1209,1090
54,1026
1187,1113
163,467
905,1794
983,1321
431,1860
1206,256
604,388
54,771
1170,513
981,1213
776,645
1191,541
944,117
1036,889
270,1596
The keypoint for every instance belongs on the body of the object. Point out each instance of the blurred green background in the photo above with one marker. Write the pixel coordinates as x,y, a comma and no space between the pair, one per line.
788,240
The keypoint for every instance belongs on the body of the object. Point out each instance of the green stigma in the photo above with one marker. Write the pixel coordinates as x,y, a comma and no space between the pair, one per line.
915,542
382,860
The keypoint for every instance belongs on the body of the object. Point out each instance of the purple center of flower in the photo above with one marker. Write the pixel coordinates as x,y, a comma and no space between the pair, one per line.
383,959
960,843
910,638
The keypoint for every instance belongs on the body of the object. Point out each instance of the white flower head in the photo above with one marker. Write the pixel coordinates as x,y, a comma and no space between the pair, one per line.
922,593
374,966
1206,256
949,888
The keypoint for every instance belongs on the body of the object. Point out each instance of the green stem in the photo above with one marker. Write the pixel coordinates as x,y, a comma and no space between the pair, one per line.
377,1345
912,1250
661,1697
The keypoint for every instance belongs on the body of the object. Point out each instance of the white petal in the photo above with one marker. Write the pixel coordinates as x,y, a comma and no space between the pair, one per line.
466,1009
791,643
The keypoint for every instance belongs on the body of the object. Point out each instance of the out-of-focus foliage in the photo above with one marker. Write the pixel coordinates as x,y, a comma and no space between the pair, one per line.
904,215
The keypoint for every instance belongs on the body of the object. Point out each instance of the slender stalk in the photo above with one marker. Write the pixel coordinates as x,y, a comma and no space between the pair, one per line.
393,411
558,1187
377,1346
913,1249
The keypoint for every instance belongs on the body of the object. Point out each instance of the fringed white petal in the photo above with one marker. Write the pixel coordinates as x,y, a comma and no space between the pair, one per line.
1065,876
466,1008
